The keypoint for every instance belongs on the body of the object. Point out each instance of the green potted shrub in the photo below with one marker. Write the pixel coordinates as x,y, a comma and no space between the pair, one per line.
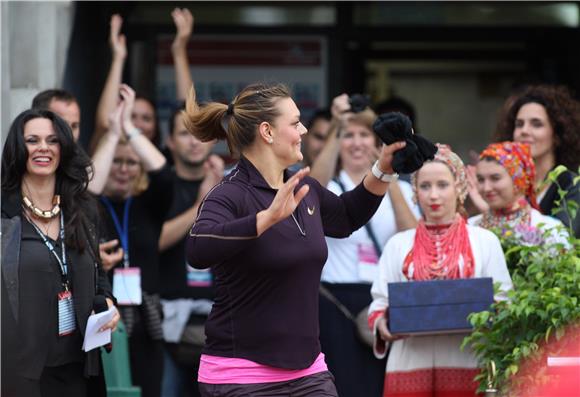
541,309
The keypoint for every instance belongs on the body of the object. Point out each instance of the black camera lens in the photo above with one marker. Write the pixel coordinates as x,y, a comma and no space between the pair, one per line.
359,102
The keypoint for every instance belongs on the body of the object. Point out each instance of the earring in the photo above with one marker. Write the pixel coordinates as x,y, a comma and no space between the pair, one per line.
270,141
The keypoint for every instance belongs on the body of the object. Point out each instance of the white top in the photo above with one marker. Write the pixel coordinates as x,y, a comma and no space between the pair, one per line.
542,222
487,254
343,263
439,351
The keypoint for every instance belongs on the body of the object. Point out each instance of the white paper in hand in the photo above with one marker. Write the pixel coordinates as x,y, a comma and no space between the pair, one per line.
94,338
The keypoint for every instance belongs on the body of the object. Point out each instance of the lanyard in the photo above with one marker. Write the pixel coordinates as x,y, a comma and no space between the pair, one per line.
61,261
122,230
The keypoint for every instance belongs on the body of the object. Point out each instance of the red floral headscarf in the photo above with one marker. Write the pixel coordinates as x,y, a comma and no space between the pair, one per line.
516,158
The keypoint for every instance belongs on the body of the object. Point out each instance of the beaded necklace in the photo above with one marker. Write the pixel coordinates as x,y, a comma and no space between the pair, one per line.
518,214
41,213
437,252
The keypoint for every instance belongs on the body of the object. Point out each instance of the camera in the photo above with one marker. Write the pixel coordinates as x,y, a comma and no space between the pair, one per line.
359,102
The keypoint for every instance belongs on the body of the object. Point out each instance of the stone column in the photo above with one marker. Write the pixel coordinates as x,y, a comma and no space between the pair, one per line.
35,39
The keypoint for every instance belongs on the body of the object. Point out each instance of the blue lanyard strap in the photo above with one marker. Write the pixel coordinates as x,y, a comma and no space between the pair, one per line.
61,261
122,230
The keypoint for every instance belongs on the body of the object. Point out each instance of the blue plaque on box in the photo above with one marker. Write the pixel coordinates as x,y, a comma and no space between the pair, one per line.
437,306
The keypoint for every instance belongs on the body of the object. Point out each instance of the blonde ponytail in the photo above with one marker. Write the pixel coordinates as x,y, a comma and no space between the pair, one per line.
204,122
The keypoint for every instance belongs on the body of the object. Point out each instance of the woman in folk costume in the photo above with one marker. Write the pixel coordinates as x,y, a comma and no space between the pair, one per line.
442,247
505,179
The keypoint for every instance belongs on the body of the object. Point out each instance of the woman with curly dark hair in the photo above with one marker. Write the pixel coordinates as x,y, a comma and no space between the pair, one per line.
51,274
548,118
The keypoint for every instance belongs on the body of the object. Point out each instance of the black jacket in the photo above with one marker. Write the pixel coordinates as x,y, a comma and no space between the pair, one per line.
87,277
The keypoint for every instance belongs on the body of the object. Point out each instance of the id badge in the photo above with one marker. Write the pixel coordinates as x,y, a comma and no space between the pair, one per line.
66,314
368,269
127,286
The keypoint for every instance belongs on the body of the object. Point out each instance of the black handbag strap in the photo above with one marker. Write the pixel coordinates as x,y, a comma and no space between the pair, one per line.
330,296
368,226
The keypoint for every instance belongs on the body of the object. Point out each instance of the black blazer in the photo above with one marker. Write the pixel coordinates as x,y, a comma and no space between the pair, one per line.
87,278
548,203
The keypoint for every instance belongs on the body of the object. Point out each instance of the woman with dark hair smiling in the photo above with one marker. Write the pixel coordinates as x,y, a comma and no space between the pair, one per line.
51,273
548,119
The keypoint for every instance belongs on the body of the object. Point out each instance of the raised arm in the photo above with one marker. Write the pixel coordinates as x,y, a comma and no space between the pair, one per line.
151,158
342,215
404,217
183,21
105,151
176,229
401,201
477,203
325,164
110,95
384,164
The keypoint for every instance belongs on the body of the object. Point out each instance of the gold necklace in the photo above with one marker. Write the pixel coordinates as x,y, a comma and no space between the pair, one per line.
41,213
34,221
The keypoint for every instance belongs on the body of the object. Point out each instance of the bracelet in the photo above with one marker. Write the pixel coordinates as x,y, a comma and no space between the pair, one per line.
132,133
381,176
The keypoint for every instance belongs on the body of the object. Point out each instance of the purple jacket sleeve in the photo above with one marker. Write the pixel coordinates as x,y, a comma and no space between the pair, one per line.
342,215
219,231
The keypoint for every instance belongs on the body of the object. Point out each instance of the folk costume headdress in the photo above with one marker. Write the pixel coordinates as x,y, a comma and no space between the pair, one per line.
517,160
446,156
442,251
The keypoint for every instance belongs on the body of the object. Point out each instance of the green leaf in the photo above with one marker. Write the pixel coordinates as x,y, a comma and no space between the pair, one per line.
556,172
513,369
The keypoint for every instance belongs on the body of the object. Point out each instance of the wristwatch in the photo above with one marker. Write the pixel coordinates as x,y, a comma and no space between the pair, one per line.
132,133
381,176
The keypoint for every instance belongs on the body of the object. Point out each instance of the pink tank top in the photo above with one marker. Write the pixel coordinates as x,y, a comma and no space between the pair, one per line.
223,370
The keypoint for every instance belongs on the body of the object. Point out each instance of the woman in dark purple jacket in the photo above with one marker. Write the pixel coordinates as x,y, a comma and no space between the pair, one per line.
261,230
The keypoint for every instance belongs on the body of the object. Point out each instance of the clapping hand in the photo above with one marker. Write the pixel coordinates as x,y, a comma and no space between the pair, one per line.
214,172
476,198
128,96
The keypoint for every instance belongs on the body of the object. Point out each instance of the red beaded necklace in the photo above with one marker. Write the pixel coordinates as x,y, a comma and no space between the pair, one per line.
437,251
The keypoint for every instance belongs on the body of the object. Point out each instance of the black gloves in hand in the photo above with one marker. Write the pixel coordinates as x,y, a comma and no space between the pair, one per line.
393,127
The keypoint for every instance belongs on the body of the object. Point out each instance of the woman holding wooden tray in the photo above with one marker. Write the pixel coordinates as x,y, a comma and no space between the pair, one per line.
442,247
